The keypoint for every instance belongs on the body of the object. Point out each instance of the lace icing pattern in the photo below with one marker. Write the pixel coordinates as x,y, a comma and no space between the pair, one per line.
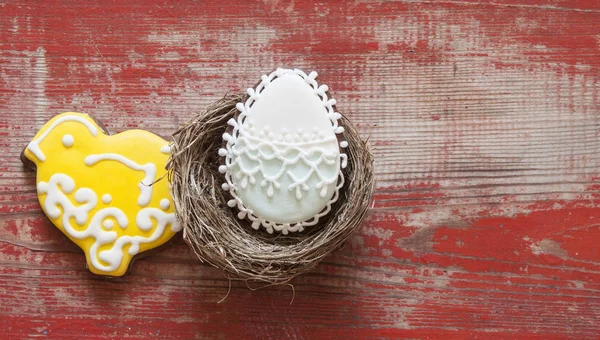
245,146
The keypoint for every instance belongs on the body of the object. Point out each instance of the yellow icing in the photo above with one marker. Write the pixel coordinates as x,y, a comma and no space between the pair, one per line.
66,147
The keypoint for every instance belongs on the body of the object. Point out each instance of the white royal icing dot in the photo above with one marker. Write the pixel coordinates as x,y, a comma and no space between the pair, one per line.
68,140
108,224
165,149
283,171
106,198
165,204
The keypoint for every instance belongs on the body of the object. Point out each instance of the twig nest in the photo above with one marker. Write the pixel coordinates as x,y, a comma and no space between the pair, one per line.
219,230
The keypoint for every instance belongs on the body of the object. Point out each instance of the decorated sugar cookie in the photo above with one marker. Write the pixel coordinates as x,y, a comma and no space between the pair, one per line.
108,194
283,155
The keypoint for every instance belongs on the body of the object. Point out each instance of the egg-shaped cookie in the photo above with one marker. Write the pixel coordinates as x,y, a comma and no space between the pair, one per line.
283,153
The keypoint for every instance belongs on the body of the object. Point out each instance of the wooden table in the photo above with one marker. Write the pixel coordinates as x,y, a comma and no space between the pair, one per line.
484,120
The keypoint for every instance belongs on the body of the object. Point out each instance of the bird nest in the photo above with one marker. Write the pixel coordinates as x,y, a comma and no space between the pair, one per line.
217,236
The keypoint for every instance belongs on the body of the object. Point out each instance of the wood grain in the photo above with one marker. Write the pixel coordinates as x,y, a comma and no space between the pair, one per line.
485,123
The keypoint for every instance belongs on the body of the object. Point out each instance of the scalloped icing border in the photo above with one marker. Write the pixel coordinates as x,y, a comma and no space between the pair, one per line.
245,111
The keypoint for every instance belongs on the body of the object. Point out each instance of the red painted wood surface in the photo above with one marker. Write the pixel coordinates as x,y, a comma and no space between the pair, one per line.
485,123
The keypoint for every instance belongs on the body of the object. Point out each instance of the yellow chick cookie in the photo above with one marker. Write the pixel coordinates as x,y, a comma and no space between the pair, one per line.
107,193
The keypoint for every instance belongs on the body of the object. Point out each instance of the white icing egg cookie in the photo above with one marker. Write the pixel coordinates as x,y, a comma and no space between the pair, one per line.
282,153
